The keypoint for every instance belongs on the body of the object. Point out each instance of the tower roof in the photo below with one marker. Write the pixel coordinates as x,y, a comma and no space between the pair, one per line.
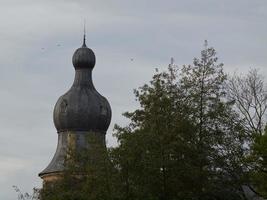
82,108
81,111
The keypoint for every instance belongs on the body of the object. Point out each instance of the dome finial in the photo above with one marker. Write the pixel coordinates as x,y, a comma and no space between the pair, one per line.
84,34
83,57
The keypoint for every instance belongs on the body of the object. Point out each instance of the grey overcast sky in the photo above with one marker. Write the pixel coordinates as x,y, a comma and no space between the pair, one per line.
38,38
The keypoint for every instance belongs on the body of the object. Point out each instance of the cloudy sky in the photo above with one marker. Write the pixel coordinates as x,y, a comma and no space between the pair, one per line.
38,38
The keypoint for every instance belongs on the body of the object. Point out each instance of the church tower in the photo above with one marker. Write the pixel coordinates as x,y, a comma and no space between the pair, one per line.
79,113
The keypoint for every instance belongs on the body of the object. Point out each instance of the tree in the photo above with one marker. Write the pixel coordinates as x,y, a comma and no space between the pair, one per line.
219,133
259,173
26,196
144,152
185,140
250,96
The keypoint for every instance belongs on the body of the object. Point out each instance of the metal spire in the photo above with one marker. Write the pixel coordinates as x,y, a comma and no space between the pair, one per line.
84,34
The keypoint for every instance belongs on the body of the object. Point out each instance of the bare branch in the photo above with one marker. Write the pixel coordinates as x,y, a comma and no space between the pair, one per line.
250,96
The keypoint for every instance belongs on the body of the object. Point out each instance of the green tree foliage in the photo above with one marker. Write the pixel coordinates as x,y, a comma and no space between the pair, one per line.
185,141
219,135
259,157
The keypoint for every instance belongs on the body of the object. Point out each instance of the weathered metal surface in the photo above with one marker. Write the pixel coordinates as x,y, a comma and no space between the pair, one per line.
83,58
82,108
79,112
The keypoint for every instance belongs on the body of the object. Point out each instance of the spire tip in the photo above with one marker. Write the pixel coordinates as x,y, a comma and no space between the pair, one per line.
84,35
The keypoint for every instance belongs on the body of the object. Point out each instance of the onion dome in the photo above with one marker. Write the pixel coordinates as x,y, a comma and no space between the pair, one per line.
82,108
83,57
